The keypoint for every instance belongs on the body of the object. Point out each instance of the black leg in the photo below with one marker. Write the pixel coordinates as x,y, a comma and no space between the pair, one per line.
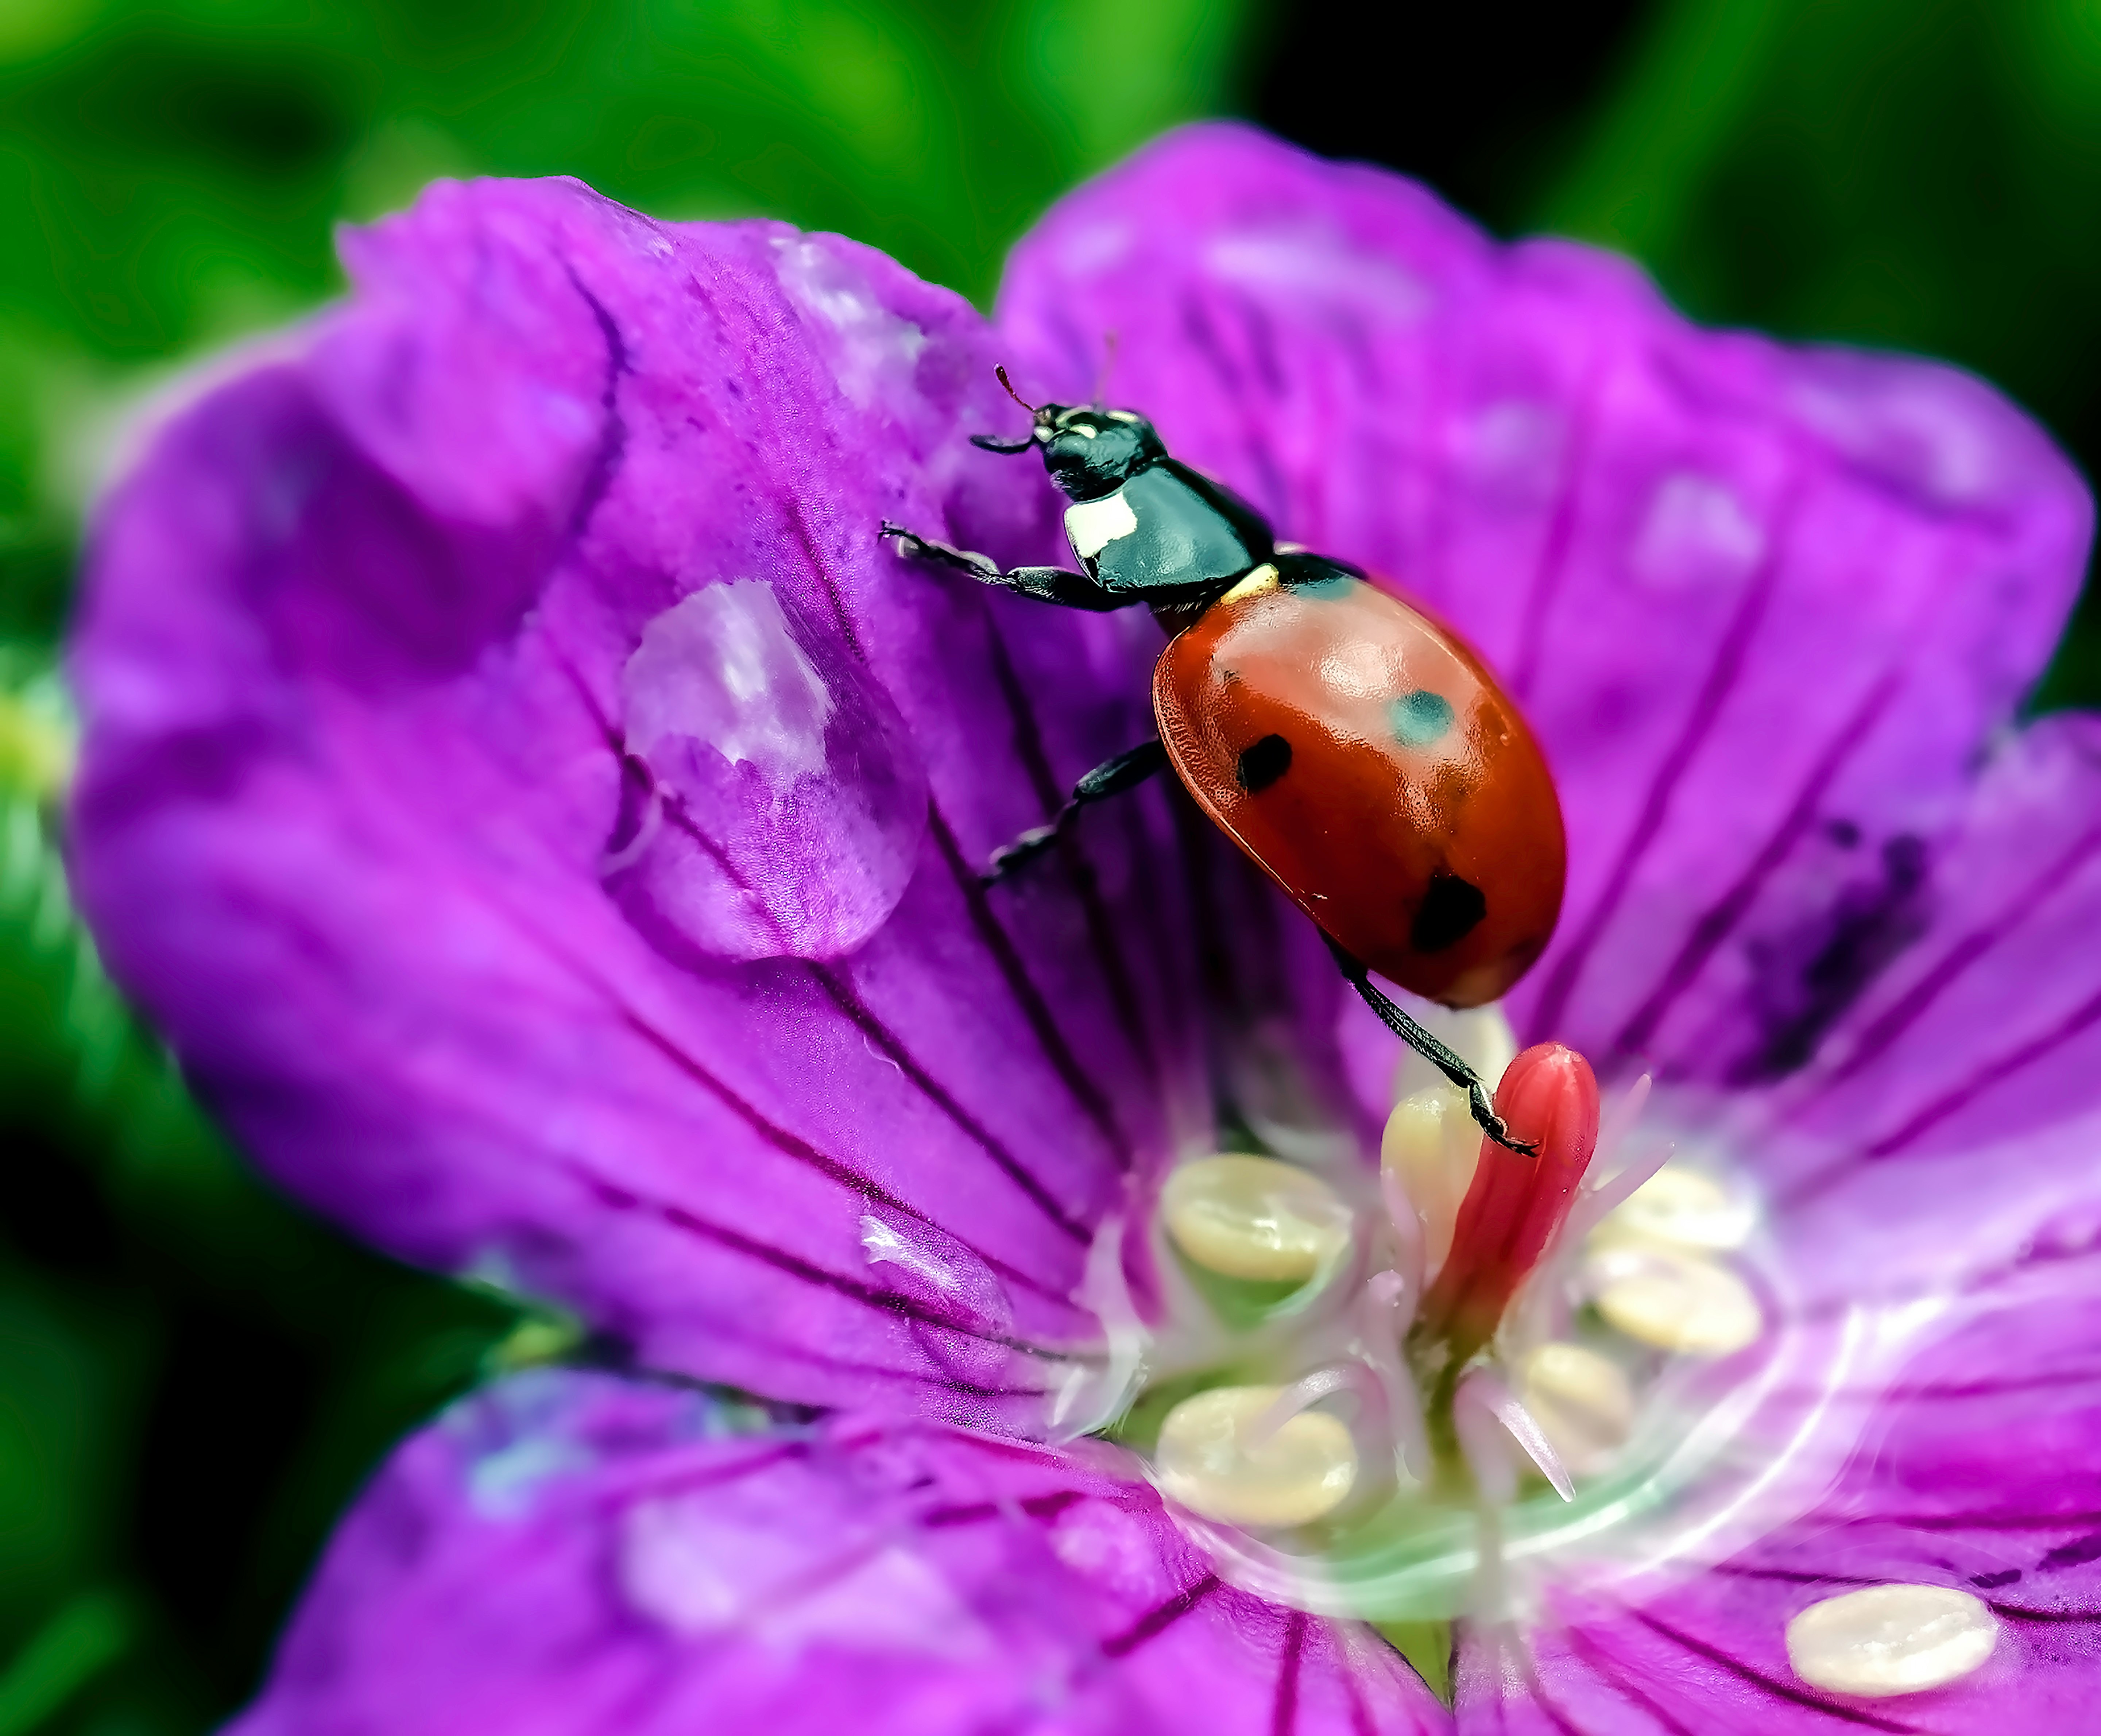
1045,584
1447,1061
1127,771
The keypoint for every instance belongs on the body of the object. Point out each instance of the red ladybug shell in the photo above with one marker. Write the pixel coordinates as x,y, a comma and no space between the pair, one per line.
1368,764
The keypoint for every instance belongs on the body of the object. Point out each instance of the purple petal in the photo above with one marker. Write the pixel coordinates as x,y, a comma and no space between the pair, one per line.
1928,1146
1764,604
1976,1470
1935,1218
572,1553
546,822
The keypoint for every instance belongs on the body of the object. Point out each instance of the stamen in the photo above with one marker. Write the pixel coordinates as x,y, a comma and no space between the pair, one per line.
1303,1394
1682,1208
1431,1143
1516,1203
1626,1113
1673,1300
1386,1305
1254,1218
1429,1151
1487,1388
1407,1262
1485,1444
1094,1395
1583,1403
1210,1459
1890,1639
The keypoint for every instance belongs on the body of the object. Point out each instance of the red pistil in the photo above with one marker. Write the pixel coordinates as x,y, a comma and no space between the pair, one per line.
1549,1096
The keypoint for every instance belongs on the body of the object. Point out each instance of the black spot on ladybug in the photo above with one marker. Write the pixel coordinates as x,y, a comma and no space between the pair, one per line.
1451,910
1419,718
1261,765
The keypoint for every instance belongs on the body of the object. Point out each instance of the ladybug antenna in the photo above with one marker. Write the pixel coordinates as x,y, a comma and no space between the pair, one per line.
1010,393
1108,363
992,443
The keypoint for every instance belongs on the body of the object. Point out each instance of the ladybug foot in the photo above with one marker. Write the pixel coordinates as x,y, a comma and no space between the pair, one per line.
1023,851
1493,1124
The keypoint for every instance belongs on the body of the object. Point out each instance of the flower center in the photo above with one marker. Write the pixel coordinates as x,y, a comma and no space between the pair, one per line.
1391,1395
1359,1383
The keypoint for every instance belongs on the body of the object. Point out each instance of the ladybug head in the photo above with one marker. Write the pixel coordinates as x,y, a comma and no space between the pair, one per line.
1089,451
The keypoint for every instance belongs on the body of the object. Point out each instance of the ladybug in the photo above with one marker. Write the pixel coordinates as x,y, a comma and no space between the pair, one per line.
1355,749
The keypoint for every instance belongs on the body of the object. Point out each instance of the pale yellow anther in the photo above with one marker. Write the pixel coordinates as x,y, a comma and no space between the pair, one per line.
1580,1400
1680,1208
1890,1639
1673,1300
1209,1459
1254,1218
1431,1146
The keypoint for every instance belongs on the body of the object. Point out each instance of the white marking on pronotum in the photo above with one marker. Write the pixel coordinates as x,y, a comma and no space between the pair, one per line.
1093,525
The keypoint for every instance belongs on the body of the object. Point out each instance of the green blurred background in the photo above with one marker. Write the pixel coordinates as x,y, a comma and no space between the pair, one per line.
193,1377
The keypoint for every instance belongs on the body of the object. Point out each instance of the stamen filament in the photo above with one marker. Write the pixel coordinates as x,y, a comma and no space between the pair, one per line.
1487,1387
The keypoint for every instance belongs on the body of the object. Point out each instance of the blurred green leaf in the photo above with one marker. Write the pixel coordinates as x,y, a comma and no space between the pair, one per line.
80,1641
209,1367
1919,175
169,175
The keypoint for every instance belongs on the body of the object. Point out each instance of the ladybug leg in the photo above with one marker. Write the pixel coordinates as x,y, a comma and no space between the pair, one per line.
1127,771
1045,584
1452,1065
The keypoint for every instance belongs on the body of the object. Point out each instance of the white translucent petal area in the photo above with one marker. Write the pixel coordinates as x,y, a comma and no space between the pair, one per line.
1254,1218
1890,1639
1431,1146
1581,1401
1673,1300
1214,1459
1681,1208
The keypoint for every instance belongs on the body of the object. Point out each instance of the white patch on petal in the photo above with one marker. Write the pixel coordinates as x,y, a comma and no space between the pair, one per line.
788,1581
1512,448
1916,427
1695,533
1314,262
876,348
721,666
1095,248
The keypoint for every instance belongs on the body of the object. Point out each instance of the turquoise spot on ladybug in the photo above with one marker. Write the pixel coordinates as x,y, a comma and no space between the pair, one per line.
1419,718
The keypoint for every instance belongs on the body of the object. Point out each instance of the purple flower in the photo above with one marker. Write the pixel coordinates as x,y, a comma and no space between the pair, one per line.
546,822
